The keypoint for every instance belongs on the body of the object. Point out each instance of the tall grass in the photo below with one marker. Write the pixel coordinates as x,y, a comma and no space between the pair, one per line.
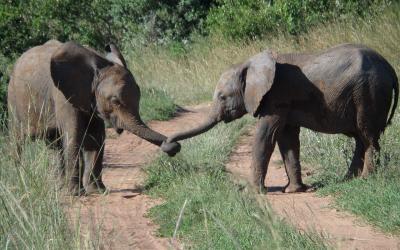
31,216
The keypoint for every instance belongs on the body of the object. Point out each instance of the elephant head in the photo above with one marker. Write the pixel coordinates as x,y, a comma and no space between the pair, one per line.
102,86
240,90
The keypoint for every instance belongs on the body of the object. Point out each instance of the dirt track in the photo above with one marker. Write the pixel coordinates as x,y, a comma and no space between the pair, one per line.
307,211
119,218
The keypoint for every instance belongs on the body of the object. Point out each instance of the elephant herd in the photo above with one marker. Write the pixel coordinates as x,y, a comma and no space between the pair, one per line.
65,93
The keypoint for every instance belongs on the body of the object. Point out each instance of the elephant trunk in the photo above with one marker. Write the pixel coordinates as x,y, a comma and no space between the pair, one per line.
207,125
136,126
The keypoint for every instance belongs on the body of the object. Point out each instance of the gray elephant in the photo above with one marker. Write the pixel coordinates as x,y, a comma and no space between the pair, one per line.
347,89
64,92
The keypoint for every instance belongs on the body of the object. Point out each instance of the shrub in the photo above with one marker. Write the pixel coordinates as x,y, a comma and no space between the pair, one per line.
250,19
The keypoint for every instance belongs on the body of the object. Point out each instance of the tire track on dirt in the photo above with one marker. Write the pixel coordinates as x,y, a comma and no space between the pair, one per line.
307,211
118,220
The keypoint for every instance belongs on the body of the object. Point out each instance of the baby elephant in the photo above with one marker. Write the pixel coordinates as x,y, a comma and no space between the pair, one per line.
347,89
64,92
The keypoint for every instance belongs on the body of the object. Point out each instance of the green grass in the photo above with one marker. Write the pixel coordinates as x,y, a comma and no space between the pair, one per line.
156,104
376,199
31,216
218,213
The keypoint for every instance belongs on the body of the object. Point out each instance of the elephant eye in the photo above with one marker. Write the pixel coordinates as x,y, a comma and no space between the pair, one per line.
115,101
222,97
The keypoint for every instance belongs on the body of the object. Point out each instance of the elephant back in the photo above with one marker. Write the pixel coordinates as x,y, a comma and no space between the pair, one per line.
30,87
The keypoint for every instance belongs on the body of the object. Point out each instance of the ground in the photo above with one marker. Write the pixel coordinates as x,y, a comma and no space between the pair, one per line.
119,219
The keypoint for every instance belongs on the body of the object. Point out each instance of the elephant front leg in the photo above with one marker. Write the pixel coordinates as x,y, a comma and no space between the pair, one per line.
71,162
289,146
93,151
92,181
264,144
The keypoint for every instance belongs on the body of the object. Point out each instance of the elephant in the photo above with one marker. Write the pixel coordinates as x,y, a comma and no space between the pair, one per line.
346,89
64,93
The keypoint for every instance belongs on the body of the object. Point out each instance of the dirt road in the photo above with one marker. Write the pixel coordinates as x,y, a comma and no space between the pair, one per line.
119,218
307,211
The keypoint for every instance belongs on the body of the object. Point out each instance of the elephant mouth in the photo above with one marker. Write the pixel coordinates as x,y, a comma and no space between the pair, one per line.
231,115
228,119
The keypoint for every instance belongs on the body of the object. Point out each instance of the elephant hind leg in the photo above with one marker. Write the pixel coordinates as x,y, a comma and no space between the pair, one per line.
357,162
371,156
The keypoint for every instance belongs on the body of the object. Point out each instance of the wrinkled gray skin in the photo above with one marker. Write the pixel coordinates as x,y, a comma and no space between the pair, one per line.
64,92
346,89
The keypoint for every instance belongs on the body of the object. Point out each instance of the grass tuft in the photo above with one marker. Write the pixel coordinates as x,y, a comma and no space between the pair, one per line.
218,213
156,104
31,216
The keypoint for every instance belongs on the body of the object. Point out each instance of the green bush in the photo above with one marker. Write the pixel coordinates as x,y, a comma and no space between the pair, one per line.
256,18
95,22
5,69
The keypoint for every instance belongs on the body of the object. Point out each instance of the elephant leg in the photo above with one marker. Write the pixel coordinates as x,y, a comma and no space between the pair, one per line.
371,156
70,123
357,162
289,146
264,144
93,151
71,162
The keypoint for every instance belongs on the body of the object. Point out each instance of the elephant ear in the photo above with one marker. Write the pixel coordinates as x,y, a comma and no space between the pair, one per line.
114,55
260,75
74,70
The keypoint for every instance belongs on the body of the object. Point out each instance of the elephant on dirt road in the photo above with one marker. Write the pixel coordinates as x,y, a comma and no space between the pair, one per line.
64,92
346,89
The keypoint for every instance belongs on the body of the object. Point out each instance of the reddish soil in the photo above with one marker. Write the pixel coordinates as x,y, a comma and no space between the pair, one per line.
307,211
119,219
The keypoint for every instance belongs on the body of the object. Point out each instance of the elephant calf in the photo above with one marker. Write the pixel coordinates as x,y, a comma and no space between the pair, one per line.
346,89
64,92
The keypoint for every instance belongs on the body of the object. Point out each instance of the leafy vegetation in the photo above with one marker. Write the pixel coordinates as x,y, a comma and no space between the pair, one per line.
250,19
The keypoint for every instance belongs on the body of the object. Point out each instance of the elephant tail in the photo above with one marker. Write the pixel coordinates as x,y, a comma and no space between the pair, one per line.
396,97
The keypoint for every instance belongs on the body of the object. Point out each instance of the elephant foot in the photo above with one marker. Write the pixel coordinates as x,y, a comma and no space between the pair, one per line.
351,174
260,189
95,188
297,188
75,189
